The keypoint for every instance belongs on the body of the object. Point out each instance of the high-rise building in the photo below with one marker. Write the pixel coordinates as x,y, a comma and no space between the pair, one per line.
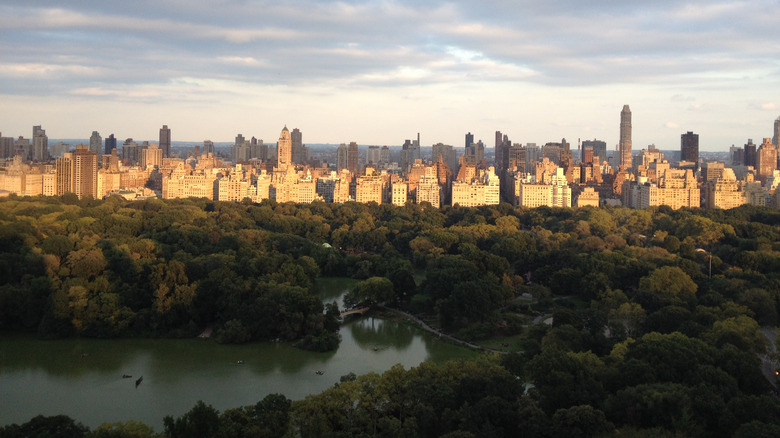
598,147
110,144
341,157
767,159
6,147
165,141
689,147
776,137
384,155
297,152
131,152
502,151
750,154
352,158
151,156
373,156
208,147
96,144
40,148
469,139
284,149
77,172
625,138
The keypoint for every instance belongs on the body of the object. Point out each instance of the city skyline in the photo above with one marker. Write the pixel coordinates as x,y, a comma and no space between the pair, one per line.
375,72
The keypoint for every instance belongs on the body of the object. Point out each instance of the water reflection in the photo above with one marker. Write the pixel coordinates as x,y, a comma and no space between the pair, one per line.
373,333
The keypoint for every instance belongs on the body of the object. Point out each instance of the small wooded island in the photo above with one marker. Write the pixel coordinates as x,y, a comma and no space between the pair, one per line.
662,321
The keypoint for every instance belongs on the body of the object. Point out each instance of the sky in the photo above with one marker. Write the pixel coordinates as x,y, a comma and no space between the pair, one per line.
379,72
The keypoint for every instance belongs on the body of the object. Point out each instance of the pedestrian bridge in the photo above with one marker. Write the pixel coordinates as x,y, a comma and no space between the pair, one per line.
360,310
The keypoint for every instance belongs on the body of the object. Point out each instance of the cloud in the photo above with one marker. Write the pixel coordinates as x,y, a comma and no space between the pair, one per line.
459,55
672,125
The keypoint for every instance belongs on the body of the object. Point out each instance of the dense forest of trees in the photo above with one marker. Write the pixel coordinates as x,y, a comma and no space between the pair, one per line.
657,314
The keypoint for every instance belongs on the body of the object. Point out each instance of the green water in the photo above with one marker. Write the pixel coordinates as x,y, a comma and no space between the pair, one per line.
82,378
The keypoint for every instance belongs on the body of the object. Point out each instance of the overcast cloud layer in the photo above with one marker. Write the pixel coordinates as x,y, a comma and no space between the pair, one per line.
377,72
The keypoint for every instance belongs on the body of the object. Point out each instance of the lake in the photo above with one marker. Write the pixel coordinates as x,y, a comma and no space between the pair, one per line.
82,378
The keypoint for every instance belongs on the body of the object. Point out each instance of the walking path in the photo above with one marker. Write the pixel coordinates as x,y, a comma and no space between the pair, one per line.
438,333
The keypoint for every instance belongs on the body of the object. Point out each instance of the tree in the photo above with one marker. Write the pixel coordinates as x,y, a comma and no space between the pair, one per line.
670,284
580,421
369,292
200,421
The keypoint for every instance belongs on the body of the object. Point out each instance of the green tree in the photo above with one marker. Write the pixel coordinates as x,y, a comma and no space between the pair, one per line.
369,292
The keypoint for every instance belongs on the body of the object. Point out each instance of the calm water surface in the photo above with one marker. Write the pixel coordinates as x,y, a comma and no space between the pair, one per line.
82,378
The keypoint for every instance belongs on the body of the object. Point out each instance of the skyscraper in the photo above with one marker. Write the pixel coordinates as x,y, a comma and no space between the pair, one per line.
208,147
625,138
165,141
766,159
77,172
40,150
689,147
750,154
469,139
776,137
341,157
502,151
352,158
110,144
96,143
599,149
284,149
297,146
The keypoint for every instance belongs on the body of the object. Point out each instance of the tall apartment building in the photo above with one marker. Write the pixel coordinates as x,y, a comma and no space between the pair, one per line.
766,162
724,192
712,170
352,158
165,141
428,188
110,144
341,157
399,193
77,172
7,149
625,146
284,149
152,156
370,187
96,144
689,147
447,152
750,158
40,148
373,156
598,149
677,188
481,189
298,156
475,153
208,147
